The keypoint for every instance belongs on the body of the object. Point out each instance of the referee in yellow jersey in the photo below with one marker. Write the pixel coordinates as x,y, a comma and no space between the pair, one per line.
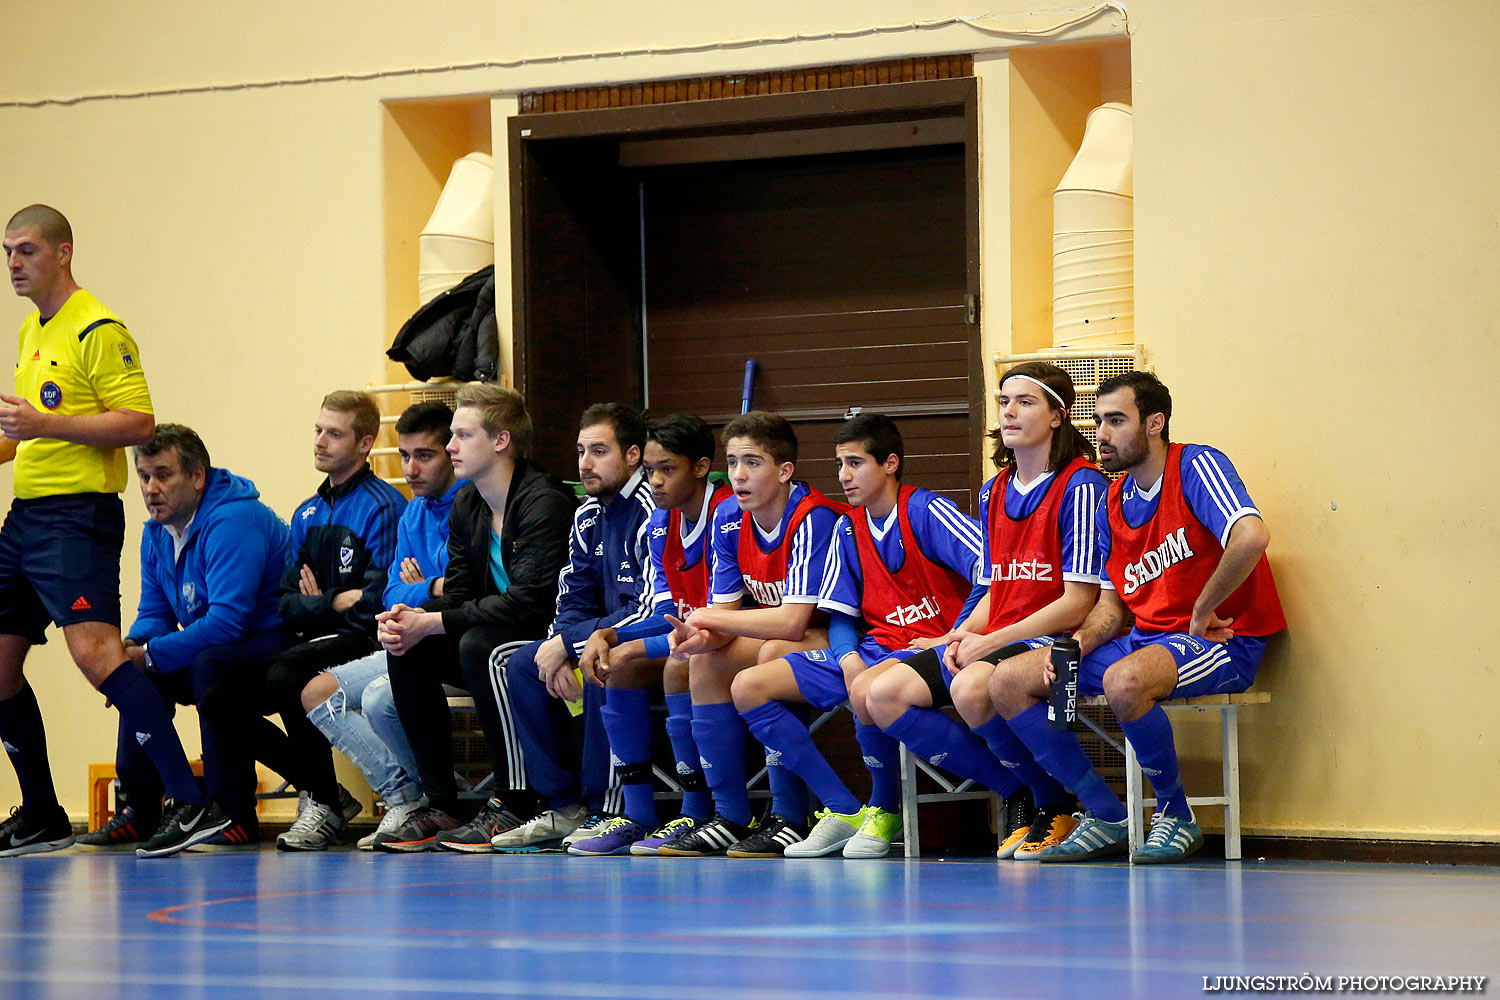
80,400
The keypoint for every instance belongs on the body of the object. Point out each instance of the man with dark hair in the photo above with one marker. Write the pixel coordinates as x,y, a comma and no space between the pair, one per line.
211,557
900,567
507,541
80,400
600,587
343,538
1183,549
770,546
630,659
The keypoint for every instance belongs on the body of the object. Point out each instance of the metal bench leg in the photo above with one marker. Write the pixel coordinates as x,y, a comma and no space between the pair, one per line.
1230,725
1134,800
909,829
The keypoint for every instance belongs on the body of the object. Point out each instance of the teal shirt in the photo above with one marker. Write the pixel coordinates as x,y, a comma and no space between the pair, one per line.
497,564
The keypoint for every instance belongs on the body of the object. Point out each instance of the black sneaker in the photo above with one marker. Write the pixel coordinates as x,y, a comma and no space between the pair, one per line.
181,827
1016,811
706,840
234,837
22,835
769,840
125,828
418,833
474,836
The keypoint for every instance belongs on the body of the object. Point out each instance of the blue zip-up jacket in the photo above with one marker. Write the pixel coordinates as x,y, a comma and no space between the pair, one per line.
603,584
224,586
347,534
423,535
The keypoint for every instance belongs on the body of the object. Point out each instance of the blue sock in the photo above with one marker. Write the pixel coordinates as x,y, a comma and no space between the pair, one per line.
1063,757
788,793
26,742
1013,754
627,722
696,800
720,734
142,710
1151,735
939,740
784,735
882,753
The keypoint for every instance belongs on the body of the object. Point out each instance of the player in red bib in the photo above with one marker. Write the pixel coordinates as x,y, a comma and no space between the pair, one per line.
632,658
1041,577
770,549
900,568
1184,553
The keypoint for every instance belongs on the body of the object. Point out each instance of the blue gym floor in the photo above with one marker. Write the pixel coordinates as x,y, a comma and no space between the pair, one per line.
346,924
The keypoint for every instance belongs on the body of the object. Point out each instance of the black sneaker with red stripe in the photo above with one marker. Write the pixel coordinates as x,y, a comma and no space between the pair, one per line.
234,837
124,829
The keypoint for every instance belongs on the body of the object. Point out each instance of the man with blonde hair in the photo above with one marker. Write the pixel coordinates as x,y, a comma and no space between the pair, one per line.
507,542
343,538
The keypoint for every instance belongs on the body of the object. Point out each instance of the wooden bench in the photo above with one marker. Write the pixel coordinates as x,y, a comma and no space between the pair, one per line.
1228,706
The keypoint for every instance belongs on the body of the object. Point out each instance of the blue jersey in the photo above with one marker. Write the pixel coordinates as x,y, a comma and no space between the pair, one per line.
694,536
421,534
946,536
806,555
1211,486
603,583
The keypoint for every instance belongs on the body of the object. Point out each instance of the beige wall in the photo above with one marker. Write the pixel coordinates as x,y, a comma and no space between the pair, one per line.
1317,229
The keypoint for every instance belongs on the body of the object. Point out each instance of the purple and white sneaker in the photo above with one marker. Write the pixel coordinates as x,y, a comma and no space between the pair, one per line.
614,836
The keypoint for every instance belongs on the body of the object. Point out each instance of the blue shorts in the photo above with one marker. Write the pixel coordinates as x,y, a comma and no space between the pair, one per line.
60,562
1203,667
819,677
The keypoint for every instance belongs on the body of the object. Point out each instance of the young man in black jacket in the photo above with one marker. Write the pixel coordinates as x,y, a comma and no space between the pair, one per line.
507,542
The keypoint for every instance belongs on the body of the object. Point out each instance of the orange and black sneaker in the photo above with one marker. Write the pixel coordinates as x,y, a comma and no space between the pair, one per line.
1049,827
234,837
125,828
1016,814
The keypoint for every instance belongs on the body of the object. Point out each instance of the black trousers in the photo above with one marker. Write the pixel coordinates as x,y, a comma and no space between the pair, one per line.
475,661
274,687
233,735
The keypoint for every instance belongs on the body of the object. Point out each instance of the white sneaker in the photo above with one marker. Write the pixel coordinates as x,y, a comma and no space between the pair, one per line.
833,831
546,830
314,830
390,823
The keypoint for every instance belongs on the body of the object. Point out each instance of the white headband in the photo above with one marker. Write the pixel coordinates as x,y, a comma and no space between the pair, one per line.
1050,391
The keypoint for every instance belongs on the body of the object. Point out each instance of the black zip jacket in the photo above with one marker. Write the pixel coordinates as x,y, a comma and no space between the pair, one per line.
534,544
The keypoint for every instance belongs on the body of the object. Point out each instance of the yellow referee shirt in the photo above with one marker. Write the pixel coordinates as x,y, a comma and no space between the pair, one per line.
80,361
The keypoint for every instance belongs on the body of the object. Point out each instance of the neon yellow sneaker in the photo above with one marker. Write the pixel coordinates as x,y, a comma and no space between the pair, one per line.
832,832
875,835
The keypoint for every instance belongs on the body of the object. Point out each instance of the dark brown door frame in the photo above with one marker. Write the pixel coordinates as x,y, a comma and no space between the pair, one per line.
880,103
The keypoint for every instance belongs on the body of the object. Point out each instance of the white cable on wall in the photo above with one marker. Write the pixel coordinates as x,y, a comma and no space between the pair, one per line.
985,22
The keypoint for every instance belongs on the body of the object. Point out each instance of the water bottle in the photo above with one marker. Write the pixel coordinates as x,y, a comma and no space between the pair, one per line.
1062,700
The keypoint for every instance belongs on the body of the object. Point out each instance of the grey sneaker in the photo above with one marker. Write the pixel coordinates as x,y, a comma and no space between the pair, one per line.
829,836
545,831
591,828
418,833
315,828
392,821
875,834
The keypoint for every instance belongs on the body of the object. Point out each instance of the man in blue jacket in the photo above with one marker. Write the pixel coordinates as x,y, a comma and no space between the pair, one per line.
351,704
211,556
343,538
602,586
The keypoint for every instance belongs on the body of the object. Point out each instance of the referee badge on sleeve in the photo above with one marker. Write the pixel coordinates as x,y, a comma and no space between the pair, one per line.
126,358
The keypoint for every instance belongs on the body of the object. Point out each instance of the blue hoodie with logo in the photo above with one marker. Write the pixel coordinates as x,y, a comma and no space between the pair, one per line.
223,587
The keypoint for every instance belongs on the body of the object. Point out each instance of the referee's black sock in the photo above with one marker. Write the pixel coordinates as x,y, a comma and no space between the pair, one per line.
143,713
26,743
